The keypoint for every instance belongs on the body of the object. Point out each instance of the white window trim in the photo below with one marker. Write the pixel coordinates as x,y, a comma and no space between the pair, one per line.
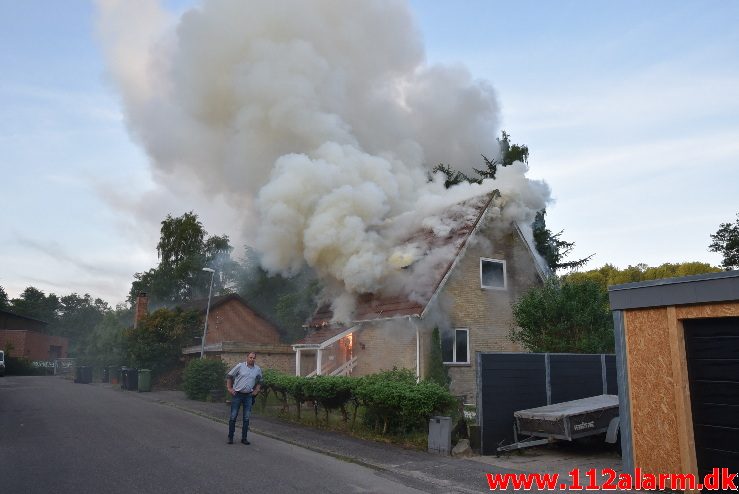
505,274
454,348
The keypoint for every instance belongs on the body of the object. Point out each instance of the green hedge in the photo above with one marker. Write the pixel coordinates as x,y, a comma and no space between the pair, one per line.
392,399
21,366
202,375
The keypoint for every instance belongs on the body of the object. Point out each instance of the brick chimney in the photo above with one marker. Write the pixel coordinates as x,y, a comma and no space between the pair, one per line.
142,308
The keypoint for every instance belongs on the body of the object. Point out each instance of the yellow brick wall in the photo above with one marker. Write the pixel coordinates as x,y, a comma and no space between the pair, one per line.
386,345
282,362
486,313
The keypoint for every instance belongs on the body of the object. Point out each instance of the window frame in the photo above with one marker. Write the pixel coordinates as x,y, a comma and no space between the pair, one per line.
454,348
505,274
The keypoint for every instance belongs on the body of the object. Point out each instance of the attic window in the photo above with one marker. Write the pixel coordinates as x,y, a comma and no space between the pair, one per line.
492,274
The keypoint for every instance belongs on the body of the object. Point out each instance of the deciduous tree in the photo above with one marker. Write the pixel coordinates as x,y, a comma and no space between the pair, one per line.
157,340
726,242
564,316
184,249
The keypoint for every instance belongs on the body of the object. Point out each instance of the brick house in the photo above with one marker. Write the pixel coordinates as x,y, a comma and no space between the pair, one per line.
26,338
234,329
469,298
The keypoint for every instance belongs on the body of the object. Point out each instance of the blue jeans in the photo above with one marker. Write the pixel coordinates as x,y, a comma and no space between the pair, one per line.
236,402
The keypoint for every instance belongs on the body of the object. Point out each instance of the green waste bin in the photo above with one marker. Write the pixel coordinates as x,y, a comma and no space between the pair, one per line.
113,374
144,380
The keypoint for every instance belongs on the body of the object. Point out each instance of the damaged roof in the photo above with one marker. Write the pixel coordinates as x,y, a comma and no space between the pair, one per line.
465,217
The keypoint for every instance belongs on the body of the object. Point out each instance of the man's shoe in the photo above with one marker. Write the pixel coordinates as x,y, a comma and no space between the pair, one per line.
244,441
230,440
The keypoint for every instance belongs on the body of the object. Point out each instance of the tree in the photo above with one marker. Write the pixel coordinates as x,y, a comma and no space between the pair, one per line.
288,302
4,299
549,245
184,249
508,154
35,304
78,317
610,275
564,316
104,346
726,242
437,371
156,342
453,177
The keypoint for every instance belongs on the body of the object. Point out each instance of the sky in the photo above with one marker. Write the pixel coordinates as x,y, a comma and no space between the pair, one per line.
630,110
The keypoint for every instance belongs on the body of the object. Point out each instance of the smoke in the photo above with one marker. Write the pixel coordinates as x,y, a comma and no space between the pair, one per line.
317,121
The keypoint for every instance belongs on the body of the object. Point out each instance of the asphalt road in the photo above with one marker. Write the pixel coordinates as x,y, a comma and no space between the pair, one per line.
61,437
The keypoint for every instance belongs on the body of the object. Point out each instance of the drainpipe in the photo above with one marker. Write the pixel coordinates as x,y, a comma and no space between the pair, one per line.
319,363
297,361
418,348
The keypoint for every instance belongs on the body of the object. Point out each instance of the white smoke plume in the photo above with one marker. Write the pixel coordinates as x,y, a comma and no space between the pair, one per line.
318,121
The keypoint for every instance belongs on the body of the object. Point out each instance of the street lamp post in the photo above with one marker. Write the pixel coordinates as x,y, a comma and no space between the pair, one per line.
207,311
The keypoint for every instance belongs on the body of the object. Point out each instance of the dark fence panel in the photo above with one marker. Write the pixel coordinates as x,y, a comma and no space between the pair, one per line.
575,376
517,381
611,375
511,381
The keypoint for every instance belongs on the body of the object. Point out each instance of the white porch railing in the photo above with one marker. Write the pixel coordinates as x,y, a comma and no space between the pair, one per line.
346,368
343,370
324,370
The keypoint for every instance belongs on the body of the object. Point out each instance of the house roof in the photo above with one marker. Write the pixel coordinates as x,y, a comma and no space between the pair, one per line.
20,316
465,216
201,305
321,335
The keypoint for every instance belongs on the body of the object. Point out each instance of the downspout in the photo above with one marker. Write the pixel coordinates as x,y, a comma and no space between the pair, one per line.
418,348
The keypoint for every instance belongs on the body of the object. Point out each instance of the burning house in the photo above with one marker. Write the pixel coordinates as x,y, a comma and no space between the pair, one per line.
465,281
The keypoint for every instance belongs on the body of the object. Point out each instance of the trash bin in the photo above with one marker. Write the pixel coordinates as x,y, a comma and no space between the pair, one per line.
83,374
113,374
106,376
87,374
131,379
144,380
440,435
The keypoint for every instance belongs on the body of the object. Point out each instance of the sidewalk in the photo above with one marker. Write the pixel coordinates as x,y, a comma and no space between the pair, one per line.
421,470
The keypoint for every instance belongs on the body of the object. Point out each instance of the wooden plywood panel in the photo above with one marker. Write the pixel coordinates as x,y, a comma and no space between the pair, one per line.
728,309
682,394
652,391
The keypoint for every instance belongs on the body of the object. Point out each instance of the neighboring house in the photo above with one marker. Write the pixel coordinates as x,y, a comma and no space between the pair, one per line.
479,270
234,329
23,335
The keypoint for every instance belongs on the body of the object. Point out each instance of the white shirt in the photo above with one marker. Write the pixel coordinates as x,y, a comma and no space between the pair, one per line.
245,378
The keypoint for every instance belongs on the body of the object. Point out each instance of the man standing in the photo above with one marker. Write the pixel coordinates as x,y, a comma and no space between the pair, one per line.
243,383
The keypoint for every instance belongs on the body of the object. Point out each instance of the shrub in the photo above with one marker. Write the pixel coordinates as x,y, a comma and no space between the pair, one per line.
437,372
331,393
202,375
21,366
398,402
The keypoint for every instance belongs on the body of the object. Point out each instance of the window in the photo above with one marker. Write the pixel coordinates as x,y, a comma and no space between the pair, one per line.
492,274
455,348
